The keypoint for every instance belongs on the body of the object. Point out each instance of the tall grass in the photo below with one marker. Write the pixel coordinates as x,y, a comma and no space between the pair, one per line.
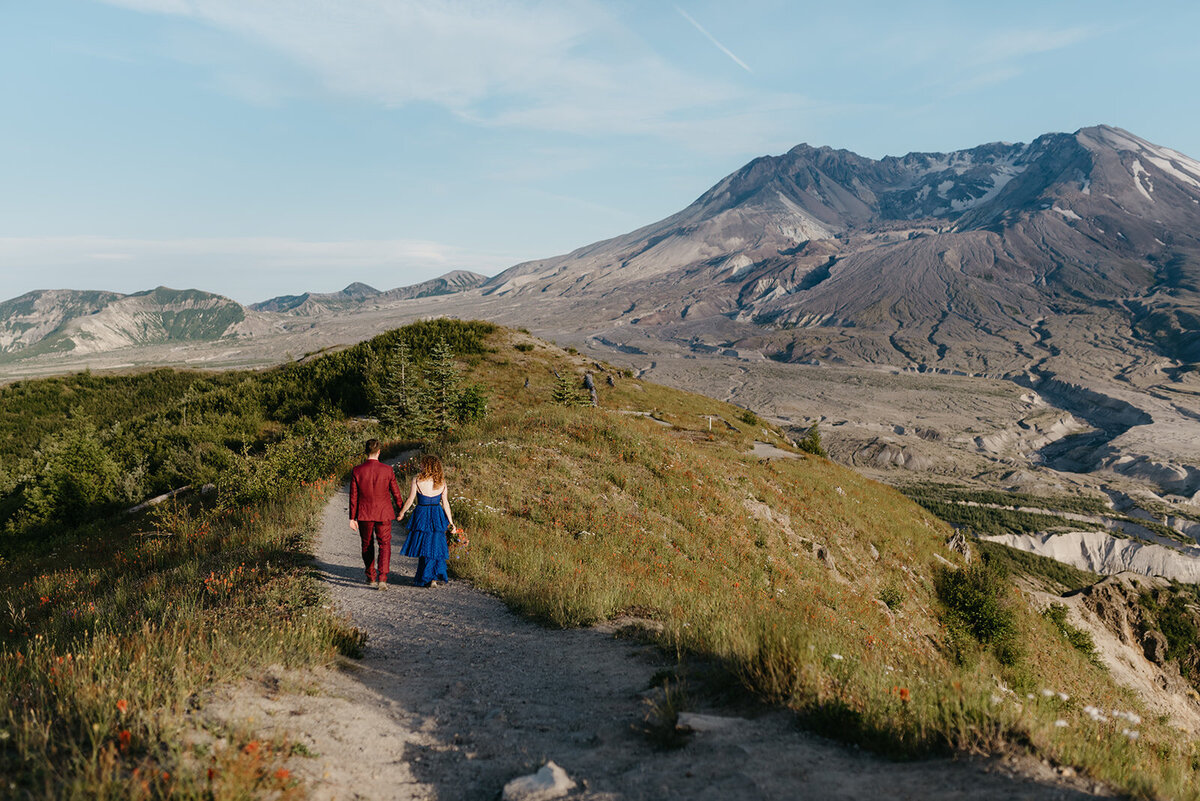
775,570
104,646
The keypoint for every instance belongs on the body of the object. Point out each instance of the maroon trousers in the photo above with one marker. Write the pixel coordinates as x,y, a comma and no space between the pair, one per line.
377,564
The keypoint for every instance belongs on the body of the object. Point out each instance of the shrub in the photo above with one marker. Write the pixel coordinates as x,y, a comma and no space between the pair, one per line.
975,604
1079,639
748,417
892,595
1175,622
812,442
524,347
565,392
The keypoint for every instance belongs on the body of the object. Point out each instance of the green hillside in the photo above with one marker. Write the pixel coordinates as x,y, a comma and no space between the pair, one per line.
808,585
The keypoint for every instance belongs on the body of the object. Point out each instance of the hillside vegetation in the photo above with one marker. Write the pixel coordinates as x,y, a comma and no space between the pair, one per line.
814,587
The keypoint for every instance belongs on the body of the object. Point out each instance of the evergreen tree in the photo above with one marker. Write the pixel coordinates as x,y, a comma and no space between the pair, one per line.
402,404
441,379
812,442
565,392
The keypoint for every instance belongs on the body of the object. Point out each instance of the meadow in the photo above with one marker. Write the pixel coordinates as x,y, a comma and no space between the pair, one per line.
808,585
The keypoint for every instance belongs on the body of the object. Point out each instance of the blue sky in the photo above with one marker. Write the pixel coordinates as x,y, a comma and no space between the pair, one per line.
259,147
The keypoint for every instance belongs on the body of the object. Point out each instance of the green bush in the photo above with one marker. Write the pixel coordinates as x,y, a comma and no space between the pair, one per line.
975,603
1079,639
1174,620
892,595
748,417
812,442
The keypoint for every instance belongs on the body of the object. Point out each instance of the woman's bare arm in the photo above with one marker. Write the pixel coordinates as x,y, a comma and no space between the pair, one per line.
409,501
446,504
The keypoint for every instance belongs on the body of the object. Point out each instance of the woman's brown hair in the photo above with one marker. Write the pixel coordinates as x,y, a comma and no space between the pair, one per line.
431,468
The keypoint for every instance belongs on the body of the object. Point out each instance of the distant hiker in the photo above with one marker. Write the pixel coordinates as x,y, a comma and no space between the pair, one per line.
431,519
373,488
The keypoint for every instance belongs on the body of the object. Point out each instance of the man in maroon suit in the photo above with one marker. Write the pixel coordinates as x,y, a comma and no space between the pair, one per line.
373,488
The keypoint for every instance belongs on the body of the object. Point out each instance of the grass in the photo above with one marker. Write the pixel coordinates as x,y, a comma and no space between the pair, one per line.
671,533
106,644
575,515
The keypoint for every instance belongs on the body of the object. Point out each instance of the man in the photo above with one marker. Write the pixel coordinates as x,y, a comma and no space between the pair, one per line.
373,488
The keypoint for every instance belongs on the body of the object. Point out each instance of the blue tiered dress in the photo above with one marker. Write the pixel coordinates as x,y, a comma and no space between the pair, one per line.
427,538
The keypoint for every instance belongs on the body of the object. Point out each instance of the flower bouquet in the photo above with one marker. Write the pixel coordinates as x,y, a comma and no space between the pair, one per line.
459,544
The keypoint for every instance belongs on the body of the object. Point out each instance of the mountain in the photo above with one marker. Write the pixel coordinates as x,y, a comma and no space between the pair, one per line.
990,260
52,321
358,295
83,322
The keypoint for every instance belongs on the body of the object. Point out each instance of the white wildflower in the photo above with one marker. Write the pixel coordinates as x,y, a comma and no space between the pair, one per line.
1132,734
1048,693
1063,697
1060,723
839,490
838,657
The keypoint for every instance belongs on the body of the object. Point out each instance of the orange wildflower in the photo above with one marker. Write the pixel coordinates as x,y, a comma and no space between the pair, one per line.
122,706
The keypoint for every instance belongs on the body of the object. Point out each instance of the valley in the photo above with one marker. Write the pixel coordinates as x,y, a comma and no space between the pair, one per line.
1017,317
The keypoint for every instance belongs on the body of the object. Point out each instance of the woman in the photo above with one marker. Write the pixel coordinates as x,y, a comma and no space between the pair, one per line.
430,521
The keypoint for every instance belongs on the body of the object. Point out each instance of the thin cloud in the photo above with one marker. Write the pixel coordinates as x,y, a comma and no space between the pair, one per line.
565,67
713,39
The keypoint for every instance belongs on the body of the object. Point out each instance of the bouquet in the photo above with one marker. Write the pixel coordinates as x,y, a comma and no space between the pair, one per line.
459,544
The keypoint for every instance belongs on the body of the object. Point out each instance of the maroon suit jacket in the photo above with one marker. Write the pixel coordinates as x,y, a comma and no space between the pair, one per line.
372,488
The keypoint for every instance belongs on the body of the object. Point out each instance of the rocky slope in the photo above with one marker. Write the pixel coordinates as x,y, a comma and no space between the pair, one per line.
985,260
64,321
56,321
358,295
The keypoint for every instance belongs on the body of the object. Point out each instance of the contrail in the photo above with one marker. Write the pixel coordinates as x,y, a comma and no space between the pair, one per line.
713,39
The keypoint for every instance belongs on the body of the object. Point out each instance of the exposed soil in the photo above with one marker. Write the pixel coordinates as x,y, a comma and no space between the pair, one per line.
456,695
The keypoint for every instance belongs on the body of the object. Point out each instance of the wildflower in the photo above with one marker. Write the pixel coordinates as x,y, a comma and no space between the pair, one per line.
124,738
904,696
838,657
122,706
250,747
1063,697
1060,723
282,774
1048,693
1131,733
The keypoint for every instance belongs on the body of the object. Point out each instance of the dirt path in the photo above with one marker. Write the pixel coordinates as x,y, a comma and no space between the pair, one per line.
456,695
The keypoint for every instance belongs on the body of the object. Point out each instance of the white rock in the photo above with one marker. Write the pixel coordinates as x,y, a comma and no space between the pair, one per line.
696,722
548,783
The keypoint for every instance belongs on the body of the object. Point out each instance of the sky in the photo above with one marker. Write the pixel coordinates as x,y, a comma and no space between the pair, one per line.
264,147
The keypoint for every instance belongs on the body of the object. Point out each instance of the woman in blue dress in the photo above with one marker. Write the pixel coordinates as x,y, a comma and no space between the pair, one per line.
431,519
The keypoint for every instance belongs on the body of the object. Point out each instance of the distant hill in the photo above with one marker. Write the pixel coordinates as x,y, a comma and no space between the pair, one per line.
987,260
49,321
357,295
60,320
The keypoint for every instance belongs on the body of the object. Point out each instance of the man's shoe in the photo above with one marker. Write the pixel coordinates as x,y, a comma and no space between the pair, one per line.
370,581
381,585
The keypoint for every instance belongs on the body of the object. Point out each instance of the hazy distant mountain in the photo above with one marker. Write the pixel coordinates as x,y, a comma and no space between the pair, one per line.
357,295
49,321
982,260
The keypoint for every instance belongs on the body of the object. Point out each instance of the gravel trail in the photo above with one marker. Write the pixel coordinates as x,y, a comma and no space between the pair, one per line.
456,695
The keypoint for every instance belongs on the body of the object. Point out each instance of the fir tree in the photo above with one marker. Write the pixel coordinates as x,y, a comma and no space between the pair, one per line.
442,382
565,392
402,405
812,442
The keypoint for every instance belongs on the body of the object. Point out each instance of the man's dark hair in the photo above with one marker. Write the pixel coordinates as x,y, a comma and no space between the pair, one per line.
373,446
